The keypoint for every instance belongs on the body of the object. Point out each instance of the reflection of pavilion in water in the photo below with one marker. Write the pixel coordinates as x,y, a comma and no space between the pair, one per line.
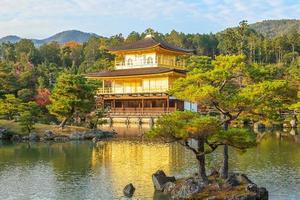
134,161
127,130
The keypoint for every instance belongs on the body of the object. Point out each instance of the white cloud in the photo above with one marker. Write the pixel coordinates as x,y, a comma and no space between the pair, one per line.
37,18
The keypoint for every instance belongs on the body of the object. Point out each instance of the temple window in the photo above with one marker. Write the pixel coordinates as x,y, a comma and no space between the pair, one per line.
149,60
129,62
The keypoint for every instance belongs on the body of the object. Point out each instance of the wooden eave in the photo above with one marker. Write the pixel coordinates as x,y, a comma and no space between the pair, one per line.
156,48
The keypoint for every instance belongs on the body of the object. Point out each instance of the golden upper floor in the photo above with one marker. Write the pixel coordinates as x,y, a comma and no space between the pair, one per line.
149,52
144,66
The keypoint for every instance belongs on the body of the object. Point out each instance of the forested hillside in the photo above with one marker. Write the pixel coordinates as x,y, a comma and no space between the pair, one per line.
273,28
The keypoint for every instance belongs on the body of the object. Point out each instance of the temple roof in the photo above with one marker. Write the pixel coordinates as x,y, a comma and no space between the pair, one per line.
148,42
136,71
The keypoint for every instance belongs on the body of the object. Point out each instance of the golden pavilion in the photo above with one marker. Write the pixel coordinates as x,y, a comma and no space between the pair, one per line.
144,72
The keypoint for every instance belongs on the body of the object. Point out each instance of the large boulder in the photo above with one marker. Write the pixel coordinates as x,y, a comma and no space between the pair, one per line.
5,134
49,135
128,190
33,137
187,188
159,179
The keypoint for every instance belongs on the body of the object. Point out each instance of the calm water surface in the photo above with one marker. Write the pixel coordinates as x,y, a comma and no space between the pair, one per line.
82,170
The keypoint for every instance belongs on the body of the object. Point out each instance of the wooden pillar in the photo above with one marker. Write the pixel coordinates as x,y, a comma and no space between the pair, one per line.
175,104
168,103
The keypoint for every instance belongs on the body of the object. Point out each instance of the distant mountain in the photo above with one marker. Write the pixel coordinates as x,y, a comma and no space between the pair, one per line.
273,28
10,38
62,37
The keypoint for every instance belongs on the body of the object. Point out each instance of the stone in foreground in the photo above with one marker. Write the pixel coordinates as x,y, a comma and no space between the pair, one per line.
159,179
236,187
128,190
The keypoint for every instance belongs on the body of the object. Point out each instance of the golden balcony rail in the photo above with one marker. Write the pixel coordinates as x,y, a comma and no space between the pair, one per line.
159,61
137,90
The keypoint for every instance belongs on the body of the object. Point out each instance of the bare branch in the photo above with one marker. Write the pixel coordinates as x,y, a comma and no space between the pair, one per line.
222,85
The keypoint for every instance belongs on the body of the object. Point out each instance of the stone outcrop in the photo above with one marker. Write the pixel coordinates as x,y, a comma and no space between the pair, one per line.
159,179
236,187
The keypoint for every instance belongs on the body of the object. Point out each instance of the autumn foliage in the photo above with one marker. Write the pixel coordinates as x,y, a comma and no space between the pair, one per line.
42,97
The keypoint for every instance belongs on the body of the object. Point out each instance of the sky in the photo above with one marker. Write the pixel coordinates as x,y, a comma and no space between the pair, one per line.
42,18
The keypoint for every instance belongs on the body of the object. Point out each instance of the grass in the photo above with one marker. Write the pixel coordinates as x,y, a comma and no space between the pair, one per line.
15,127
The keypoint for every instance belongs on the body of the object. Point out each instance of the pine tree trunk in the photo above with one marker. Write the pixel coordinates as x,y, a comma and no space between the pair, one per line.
201,161
225,167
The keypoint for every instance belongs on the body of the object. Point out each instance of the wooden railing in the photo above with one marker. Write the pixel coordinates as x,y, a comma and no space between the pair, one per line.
136,90
139,111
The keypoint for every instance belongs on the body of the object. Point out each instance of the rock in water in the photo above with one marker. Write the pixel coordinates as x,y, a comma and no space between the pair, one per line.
262,194
159,179
128,190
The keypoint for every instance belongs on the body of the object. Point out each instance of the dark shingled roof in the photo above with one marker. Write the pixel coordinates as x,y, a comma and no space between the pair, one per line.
135,71
149,42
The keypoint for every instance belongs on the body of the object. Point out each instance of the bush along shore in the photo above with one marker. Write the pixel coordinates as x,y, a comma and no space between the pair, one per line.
94,135
236,187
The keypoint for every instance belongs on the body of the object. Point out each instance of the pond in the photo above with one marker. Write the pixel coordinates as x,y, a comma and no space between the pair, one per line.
83,170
